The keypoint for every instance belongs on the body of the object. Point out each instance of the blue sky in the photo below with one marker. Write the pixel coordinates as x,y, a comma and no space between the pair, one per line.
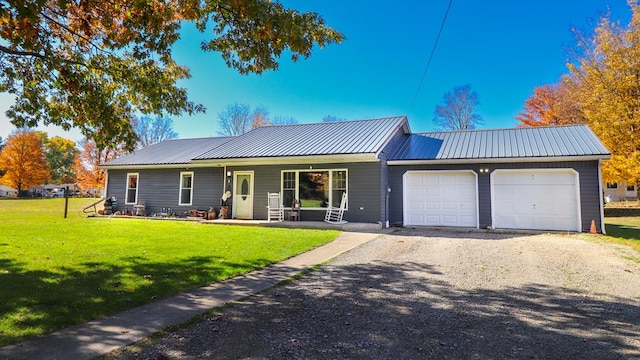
503,49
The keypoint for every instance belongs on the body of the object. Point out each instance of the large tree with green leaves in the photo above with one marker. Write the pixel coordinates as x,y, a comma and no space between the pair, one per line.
60,154
94,64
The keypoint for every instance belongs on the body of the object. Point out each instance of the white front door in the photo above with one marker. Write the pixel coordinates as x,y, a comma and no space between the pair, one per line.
243,195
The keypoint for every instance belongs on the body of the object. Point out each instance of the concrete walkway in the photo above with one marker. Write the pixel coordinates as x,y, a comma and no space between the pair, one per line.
99,337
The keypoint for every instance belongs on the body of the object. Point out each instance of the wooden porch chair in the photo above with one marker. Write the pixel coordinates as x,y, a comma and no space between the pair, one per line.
275,208
294,213
334,215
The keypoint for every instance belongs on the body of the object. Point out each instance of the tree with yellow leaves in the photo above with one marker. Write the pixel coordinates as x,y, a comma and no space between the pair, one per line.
605,79
23,161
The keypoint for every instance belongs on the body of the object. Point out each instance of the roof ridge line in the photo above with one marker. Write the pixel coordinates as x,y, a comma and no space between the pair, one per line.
502,129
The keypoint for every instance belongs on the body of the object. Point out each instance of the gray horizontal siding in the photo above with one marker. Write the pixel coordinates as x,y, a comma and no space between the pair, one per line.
159,188
363,189
589,188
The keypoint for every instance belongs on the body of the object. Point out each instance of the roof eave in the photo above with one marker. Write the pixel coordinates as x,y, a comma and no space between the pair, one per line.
500,160
158,166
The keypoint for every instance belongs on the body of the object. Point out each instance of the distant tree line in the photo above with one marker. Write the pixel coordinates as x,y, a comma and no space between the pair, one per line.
237,119
30,158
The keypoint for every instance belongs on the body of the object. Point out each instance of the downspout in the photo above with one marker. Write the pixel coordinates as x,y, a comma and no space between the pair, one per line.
106,183
602,227
224,180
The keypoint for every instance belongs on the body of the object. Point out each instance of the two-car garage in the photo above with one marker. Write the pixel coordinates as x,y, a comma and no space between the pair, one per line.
536,199
529,178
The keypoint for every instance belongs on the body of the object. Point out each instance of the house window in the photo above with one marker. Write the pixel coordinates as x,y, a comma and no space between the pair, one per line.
186,188
338,186
288,188
612,185
631,188
315,189
132,189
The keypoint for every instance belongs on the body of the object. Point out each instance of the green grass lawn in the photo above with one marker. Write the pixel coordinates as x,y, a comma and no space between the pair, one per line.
55,272
622,222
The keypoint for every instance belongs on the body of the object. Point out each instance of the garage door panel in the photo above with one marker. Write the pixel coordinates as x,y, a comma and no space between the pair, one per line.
506,221
416,190
449,198
563,207
416,205
535,199
431,191
543,207
417,218
449,205
450,220
448,191
469,220
507,206
467,192
446,178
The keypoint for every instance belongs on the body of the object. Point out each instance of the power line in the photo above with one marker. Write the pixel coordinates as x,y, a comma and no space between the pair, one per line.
426,68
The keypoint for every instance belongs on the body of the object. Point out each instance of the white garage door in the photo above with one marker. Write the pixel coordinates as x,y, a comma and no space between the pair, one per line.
440,198
538,199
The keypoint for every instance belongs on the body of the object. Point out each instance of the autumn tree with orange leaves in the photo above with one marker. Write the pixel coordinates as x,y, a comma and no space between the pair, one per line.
87,164
550,105
23,161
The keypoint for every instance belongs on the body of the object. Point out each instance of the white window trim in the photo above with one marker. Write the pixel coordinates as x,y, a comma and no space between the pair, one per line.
180,203
611,186
297,185
126,194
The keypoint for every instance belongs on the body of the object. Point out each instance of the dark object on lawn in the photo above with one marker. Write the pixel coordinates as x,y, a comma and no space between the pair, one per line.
110,205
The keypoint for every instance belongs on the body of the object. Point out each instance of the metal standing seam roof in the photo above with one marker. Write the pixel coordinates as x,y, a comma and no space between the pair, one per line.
328,138
533,142
169,152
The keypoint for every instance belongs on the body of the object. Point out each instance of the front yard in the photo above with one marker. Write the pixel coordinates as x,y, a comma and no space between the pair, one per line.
622,220
55,272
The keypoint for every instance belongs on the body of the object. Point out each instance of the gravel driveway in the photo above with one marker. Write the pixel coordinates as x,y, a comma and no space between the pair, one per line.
434,295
